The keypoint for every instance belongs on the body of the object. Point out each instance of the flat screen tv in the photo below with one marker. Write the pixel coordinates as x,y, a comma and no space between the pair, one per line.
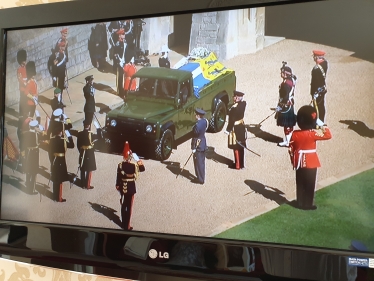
250,124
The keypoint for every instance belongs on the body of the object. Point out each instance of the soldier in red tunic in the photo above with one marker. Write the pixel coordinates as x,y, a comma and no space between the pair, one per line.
127,174
304,155
31,90
22,80
129,69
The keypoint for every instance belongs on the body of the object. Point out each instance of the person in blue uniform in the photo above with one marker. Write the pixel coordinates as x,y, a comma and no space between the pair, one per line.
127,174
85,145
198,145
318,88
236,131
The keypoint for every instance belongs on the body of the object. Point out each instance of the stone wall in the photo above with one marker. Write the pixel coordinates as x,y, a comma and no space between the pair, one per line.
38,44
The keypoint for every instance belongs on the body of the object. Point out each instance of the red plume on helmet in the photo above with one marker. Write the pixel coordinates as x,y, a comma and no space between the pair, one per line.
126,151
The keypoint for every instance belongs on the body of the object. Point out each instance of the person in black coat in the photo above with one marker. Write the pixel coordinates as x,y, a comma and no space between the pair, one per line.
236,130
58,144
119,61
318,88
285,113
127,174
56,102
85,145
99,44
30,146
89,95
59,68
198,145
164,61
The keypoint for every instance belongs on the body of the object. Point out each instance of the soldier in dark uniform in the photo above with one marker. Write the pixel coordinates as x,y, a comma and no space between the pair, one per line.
56,102
58,144
318,88
285,115
22,80
119,61
236,130
304,156
59,68
127,173
99,44
198,145
89,95
164,61
31,90
85,145
30,146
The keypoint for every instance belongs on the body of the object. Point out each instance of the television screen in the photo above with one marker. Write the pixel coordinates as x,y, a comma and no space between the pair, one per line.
251,124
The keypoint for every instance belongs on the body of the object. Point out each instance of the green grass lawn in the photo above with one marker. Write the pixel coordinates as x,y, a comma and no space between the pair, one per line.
345,213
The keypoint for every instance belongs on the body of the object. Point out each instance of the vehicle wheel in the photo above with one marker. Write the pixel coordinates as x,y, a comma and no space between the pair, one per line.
164,146
218,119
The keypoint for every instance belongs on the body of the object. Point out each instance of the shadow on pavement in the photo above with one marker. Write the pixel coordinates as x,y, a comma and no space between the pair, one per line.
103,108
12,112
268,192
175,168
11,122
16,182
106,211
359,127
44,190
263,135
105,88
212,155
45,100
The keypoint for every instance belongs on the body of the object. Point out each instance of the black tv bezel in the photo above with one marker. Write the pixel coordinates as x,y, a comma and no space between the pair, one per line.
79,12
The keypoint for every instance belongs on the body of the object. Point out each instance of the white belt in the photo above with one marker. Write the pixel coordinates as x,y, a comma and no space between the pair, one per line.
301,153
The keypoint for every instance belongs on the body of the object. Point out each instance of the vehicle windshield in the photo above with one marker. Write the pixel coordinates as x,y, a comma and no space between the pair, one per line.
161,88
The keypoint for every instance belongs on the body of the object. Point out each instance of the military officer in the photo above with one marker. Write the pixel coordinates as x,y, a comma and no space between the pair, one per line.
30,140
59,67
127,174
304,156
58,144
199,146
89,95
63,38
56,102
58,116
286,117
22,80
318,88
119,60
236,131
164,61
85,145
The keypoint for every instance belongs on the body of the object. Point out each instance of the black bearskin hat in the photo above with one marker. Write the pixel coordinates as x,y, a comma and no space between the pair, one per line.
307,117
21,56
30,69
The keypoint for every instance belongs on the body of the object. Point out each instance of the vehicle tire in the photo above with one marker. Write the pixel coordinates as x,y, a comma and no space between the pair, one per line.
165,146
218,119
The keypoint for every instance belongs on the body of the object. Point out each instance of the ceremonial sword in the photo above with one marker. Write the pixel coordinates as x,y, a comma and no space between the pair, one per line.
197,144
248,149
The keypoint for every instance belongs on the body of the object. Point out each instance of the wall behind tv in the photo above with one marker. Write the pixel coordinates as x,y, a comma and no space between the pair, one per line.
18,3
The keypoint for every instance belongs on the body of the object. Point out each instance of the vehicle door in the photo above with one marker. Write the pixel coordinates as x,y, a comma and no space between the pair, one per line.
186,109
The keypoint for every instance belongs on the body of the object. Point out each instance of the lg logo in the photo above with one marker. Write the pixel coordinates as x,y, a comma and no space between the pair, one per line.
153,254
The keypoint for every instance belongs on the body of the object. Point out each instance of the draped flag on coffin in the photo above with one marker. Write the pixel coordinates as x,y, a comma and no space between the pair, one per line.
204,71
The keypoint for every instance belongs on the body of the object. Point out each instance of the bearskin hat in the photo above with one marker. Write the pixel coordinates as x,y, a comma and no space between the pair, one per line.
306,117
30,69
21,56
126,151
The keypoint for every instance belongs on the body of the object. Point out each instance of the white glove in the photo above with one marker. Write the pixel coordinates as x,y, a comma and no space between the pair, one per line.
135,157
193,150
67,133
226,132
121,63
315,96
37,113
35,100
41,128
96,124
65,116
278,108
320,122
54,79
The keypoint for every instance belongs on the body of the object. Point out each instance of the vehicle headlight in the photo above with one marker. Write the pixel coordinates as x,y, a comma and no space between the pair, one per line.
113,123
148,129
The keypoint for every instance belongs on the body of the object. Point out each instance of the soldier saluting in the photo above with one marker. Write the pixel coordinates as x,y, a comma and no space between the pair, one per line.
58,145
89,95
85,145
56,102
236,130
127,174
